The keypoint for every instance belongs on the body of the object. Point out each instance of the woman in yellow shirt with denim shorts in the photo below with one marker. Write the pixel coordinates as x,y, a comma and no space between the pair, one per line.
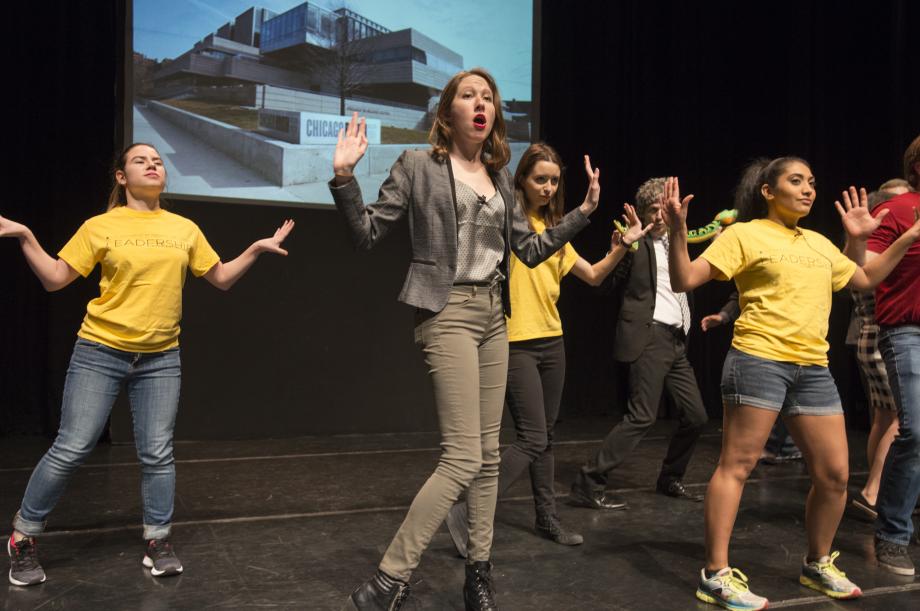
778,360
130,336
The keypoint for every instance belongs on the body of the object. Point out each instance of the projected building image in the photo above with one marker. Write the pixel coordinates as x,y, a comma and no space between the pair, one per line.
251,111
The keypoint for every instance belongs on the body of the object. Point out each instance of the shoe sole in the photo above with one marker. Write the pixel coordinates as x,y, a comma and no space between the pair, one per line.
577,501
549,536
15,581
148,562
864,509
455,529
897,570
708,598
682,497
816,585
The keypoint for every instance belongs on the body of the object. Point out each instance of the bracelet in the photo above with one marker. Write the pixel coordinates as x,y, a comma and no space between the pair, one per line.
344,174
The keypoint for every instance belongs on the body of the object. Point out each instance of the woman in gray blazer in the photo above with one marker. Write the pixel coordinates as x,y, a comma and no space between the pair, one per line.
458,199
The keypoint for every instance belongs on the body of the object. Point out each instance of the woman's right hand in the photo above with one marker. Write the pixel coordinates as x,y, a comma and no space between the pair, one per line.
12,229
350,147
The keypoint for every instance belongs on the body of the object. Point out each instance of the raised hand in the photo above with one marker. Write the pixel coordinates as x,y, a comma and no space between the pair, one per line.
12,229
855,216
273,244
634,229
593,196
672,206
351,146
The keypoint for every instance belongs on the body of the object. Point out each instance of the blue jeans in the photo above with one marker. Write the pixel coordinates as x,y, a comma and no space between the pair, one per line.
780,386
93,381
900,486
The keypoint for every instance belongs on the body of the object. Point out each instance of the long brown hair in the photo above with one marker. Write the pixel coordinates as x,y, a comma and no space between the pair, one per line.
540,151
117,196
495,151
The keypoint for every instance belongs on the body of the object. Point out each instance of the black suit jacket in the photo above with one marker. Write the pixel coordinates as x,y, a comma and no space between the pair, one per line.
636,280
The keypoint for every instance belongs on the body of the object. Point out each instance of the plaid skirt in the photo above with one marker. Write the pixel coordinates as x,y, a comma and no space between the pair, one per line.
873,368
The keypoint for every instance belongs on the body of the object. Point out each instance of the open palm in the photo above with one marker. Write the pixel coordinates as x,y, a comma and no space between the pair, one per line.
273,244
351,146
11,229
855,216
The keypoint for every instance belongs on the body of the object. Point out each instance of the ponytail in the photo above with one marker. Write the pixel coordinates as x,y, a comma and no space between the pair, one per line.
749,200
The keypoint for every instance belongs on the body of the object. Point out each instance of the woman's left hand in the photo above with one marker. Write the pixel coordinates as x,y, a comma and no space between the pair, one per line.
635,231
594,188
855,216
273,244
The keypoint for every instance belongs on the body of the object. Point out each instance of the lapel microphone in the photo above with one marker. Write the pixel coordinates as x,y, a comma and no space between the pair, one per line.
481,199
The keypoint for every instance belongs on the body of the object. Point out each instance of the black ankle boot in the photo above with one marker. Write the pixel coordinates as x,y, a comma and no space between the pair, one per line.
478,594
380,593
548,525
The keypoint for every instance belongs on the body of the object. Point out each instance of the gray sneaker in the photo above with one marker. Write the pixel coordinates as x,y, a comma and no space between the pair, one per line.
25,569
893,557
161,559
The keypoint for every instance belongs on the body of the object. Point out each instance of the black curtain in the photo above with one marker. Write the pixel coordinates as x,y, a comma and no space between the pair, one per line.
647,88
61,129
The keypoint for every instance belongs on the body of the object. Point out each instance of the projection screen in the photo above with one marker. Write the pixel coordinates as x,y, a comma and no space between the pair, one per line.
244,101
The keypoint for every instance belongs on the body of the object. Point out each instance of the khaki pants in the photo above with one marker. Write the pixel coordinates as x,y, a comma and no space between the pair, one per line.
466,350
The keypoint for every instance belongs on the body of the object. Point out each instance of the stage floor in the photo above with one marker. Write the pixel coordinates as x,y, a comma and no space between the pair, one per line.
298,523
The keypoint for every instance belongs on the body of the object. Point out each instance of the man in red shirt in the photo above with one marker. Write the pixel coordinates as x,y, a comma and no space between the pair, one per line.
898,314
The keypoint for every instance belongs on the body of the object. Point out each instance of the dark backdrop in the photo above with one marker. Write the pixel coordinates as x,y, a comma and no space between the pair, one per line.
317,343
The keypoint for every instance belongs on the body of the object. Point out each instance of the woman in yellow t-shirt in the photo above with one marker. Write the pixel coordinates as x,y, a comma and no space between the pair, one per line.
130,337
536,358
778,361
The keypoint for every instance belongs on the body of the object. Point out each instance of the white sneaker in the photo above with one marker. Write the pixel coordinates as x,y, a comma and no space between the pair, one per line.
728,588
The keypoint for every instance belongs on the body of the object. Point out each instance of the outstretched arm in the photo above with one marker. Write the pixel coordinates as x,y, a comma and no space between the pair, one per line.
367,224
685,274
225,275
619,246
54,274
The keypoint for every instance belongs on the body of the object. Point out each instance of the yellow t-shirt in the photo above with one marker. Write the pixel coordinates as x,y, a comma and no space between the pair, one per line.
785,278
144,256
534,292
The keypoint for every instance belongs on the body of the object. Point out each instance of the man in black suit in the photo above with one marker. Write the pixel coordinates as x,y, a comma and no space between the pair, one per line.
651,337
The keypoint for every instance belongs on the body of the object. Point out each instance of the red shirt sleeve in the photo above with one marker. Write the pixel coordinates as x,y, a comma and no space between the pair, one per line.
889,231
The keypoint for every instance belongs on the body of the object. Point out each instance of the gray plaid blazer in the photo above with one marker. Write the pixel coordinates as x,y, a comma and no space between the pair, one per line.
422,189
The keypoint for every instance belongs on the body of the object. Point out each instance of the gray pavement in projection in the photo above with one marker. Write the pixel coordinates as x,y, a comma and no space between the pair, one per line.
196,168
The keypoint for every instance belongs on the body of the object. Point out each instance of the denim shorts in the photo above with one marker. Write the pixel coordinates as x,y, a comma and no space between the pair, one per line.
784,387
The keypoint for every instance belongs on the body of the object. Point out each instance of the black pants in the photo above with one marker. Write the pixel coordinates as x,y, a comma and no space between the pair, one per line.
536,373
663,365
